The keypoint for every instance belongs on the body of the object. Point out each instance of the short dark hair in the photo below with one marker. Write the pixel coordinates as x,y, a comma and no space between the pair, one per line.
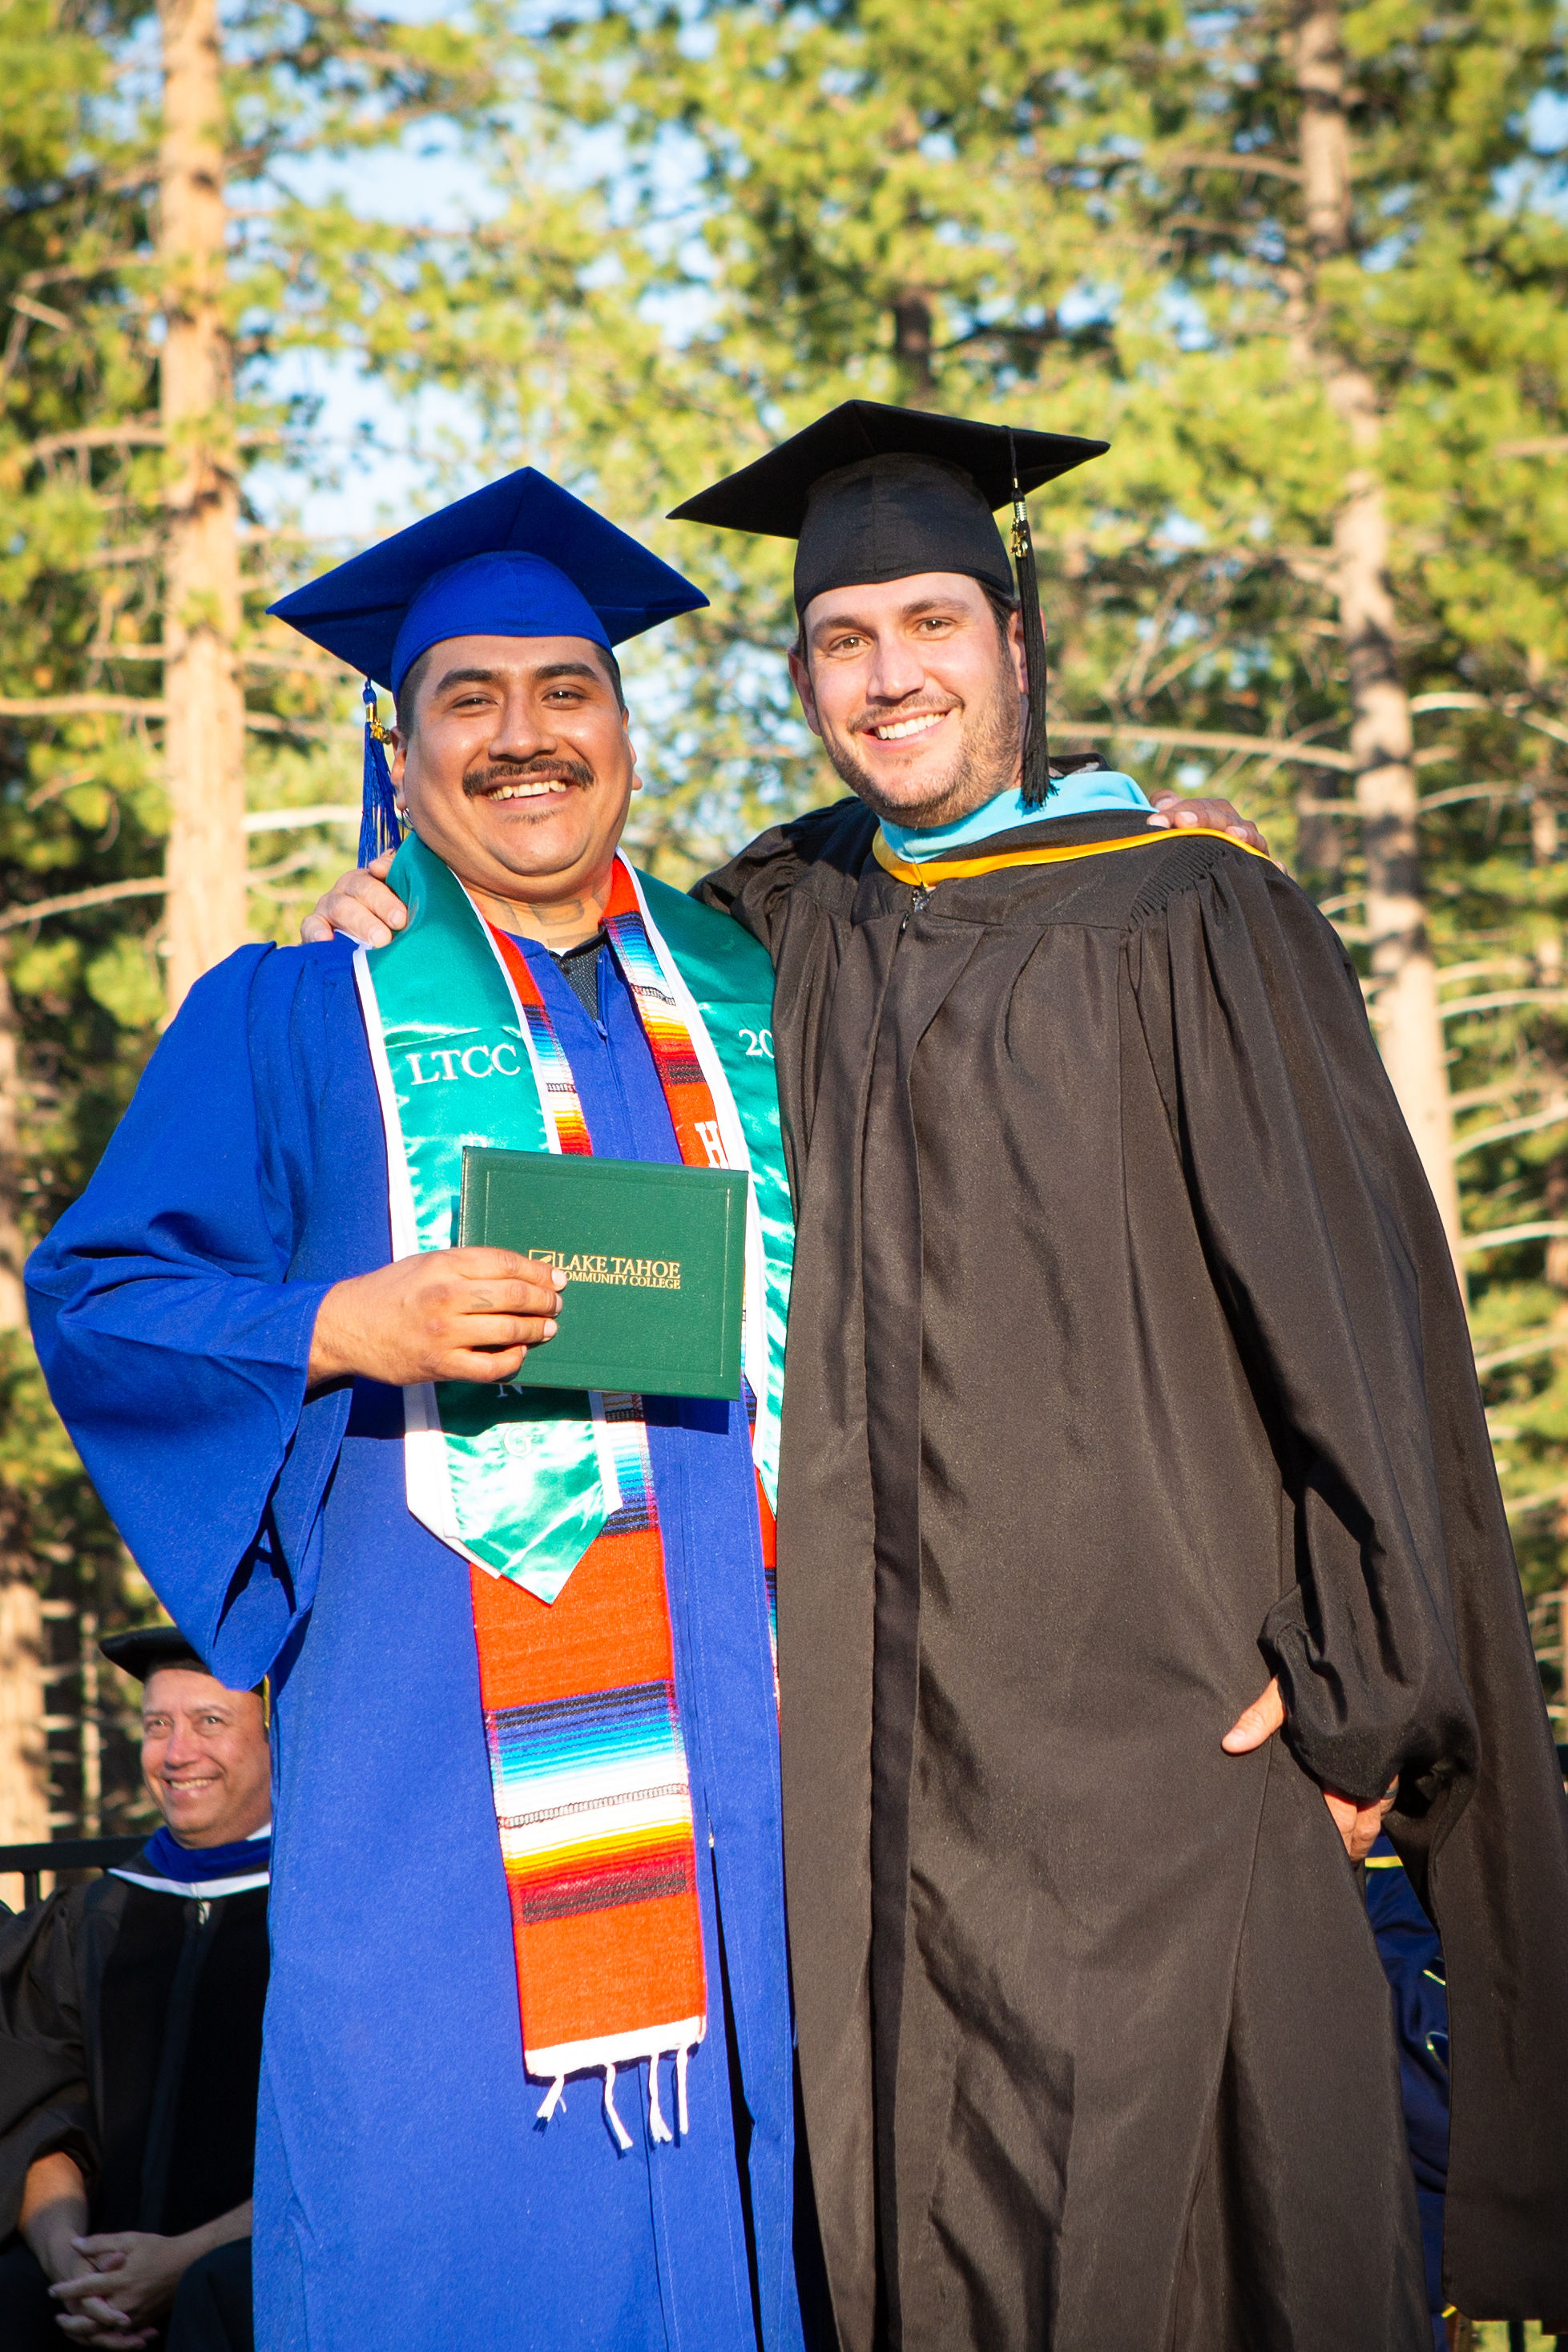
407,697
1002,610
1002,607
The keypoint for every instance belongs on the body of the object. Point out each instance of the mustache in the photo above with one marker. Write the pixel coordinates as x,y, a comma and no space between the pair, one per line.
548,768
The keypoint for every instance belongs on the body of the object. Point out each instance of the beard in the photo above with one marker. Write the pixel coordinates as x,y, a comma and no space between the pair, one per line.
984,761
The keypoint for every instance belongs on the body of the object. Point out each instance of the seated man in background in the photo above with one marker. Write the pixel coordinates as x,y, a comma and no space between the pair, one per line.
131,2042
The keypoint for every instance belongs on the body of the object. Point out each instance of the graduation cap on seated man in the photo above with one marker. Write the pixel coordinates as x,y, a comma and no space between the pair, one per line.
873,493
521,558
147,1649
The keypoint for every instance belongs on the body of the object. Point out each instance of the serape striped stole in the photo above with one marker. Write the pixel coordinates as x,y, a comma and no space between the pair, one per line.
588,1763
593,1800
588,1759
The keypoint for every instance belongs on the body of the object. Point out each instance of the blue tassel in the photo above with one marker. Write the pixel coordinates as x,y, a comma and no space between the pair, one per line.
379,827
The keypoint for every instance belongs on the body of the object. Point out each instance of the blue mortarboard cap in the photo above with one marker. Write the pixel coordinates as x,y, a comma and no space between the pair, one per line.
521,558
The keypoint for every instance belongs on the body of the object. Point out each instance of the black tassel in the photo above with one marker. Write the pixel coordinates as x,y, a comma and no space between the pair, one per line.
379,827
1037,787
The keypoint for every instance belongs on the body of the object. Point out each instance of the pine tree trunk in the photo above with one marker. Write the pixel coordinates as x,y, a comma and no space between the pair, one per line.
13,1307
912,347
24,1772
205,731
1405,1008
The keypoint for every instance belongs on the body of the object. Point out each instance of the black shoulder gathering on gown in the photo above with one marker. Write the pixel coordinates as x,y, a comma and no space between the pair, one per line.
1127,1366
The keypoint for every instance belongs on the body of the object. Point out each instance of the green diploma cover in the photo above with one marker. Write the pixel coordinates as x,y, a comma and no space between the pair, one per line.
656,1258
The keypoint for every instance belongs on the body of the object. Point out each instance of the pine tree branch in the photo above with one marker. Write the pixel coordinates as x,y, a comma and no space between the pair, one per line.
106,895
1470,792
1481,1136
135,435
1536,1503
1548,1229
331,730
41,313
285,820
107,558
304,665
1260,747
1500,997
73,706
150,706
1201,161
1521,1351
83,183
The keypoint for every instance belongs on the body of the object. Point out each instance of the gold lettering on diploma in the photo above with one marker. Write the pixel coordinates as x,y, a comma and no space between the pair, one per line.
621,1272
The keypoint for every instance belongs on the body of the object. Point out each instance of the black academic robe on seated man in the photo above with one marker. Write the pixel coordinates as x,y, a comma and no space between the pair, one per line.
1127,1366
131,2024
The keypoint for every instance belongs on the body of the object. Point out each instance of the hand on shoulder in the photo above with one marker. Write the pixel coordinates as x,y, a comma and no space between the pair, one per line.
1176,812
358,905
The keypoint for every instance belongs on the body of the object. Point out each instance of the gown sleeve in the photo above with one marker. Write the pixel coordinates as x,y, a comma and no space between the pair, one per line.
45,2102
174,1327
1294,1155
758,887
1404,1647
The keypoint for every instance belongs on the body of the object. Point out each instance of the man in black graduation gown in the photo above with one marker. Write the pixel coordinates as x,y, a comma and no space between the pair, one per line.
1125,1346
1127,1367
130,2020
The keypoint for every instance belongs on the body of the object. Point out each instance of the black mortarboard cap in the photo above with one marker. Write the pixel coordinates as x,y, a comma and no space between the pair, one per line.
143,1652
872,493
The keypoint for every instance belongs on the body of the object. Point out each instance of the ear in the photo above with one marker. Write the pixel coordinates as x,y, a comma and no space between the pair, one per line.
800,671
1015,641
630,750
399,762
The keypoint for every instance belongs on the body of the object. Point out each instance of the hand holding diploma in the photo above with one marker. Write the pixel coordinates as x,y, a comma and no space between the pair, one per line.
445,1315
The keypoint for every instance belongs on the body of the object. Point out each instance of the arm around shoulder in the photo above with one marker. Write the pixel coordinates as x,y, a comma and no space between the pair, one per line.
757,885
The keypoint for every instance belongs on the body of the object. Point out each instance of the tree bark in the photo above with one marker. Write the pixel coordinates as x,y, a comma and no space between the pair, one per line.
1404,1004
1320,833
24,1767
912,347
205,729
13,1305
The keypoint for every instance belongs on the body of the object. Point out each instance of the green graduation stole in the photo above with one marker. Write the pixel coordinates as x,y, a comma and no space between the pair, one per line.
548,1492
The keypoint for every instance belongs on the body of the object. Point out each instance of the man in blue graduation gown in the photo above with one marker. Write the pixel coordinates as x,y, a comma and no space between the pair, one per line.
226,1340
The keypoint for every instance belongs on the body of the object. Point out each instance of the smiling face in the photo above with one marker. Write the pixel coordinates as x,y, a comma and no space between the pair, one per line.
916,694
517,769
204,1757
